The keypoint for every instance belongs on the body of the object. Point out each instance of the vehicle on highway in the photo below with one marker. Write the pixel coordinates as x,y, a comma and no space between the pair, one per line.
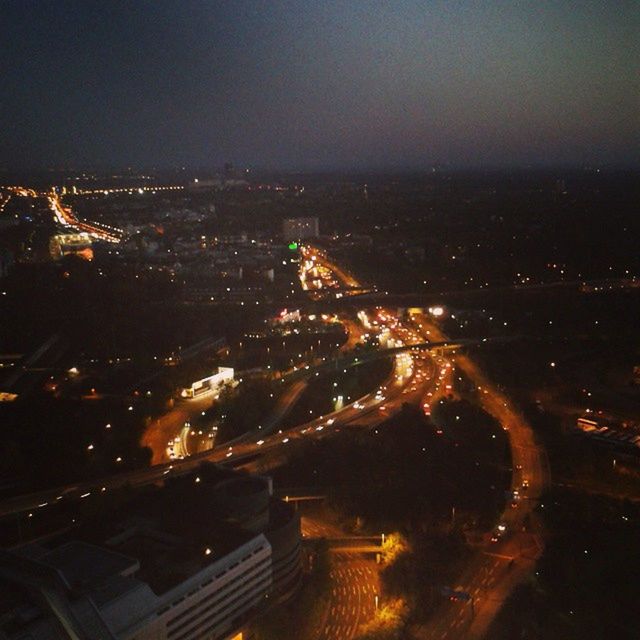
459,595
498,532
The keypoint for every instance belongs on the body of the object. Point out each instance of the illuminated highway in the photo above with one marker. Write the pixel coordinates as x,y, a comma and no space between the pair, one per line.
354,585
494,572
355,578
500,566
318,275
65,217
369,410
416,377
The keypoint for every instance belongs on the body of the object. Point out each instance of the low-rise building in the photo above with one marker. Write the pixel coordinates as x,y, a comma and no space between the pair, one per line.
197,559
213,383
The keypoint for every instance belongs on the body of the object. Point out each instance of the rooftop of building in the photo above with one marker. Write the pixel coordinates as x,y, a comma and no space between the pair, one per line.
161,535
124,558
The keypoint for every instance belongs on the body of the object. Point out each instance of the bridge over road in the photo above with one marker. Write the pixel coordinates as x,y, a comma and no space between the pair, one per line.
353,544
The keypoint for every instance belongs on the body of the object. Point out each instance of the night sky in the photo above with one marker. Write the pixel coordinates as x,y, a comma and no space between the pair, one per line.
319,84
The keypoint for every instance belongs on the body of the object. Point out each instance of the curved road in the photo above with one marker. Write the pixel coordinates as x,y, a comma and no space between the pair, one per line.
488,578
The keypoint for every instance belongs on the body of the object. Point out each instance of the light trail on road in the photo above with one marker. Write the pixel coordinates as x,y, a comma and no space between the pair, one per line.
65,217
490,579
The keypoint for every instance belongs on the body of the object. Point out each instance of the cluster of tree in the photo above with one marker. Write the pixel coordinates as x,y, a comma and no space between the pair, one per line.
405,473
387,624
319,398
464,215
243,408
109,309
432,483
586,582
50,441
429,563
279,351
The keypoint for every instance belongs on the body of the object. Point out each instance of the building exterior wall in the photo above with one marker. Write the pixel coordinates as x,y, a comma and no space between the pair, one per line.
285,539
215,601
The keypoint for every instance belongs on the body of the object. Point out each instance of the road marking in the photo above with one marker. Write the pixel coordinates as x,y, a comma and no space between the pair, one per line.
498,555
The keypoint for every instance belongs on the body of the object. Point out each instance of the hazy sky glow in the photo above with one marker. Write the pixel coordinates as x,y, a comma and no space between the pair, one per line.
319,83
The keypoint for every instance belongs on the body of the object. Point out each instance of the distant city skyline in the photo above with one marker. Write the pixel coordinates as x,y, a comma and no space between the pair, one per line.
302,85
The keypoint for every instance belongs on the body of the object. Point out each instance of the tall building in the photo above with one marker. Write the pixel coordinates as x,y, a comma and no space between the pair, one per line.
195,560
300,228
